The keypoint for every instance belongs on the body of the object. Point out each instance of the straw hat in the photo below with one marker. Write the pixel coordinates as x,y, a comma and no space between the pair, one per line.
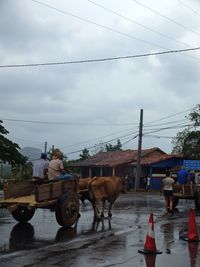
57,153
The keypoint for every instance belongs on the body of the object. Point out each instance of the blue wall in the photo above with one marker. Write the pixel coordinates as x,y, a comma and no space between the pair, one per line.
156,183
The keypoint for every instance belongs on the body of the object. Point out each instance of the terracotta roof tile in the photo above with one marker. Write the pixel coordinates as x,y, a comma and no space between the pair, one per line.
115,158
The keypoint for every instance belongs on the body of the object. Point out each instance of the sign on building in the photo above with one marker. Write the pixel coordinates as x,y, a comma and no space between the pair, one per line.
192,164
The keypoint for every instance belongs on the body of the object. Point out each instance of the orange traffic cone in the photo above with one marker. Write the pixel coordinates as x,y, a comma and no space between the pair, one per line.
150,244
192,235
193,248
150,260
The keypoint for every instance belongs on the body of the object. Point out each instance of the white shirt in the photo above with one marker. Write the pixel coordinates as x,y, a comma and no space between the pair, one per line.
39,167
168,183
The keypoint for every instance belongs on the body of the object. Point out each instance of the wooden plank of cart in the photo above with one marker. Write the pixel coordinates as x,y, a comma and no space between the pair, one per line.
61,196
186,191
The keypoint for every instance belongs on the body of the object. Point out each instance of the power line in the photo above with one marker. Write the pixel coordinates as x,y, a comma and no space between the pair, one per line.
168,128
173,125
158,136
161,15
170,116
97,24
169,122
137,23
100,144
98,138
188,7
68,123
98,60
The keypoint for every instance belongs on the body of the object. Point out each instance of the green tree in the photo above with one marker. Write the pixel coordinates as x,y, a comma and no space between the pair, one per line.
22,172
194,116
9,151
178,141
116,147
191,146
85,154
187,142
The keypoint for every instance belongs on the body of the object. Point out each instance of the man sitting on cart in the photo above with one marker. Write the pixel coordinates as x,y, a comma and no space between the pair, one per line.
40,168
56,169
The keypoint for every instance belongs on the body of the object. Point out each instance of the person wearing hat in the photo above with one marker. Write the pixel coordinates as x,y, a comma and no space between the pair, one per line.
55,168
40,168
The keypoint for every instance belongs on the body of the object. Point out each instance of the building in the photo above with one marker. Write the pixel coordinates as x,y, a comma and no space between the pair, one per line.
154,162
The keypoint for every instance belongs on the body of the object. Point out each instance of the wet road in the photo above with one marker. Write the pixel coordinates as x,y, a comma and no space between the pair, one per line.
115,242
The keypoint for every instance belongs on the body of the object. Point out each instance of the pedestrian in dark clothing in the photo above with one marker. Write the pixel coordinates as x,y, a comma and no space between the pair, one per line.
145,183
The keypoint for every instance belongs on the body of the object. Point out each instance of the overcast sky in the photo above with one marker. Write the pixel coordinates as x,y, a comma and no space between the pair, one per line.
100,101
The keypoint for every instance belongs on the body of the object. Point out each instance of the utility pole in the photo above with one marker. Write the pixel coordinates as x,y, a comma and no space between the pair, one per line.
45,147
138,167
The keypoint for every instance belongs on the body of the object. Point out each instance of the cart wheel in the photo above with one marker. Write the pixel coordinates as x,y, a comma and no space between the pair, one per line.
67,210
23,214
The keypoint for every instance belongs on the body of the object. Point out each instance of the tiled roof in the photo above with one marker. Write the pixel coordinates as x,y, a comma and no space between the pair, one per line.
153,158
115,158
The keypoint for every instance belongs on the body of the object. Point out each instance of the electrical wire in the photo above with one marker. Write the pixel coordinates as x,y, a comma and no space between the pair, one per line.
97,24
163,16
170,122
99,60
158,136
137,23
68,123
98,138
190,8
168,128
125,136
172,126
170,116
98,145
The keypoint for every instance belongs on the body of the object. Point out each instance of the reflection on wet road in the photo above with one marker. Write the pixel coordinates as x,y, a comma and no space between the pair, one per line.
115,242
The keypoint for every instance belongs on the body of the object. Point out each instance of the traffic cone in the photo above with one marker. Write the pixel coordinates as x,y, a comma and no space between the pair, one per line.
193,248
150,260
150,244
192,235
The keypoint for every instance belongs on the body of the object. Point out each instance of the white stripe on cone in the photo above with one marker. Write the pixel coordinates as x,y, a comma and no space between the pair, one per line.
151,231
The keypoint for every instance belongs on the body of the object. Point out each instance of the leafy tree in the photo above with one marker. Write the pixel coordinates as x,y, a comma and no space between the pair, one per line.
187,142
194,116
191,146
178,141
8,150
116,147
22,172
85,154
102,147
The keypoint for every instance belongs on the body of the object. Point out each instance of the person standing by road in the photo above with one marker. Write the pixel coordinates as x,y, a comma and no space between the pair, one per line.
168,192
148,185
40,168
145,183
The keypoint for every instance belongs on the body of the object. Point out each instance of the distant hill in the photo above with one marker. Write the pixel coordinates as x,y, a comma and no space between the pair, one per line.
31,153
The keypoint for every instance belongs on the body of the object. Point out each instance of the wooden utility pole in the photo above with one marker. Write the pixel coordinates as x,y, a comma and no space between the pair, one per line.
45,147
138,167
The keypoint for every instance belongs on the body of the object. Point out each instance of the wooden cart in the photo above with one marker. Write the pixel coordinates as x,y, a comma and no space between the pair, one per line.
61,196
186,191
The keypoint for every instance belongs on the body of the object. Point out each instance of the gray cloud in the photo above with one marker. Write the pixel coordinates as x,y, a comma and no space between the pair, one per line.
97,94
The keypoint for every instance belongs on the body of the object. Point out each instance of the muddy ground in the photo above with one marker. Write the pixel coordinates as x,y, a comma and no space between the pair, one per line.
115,242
